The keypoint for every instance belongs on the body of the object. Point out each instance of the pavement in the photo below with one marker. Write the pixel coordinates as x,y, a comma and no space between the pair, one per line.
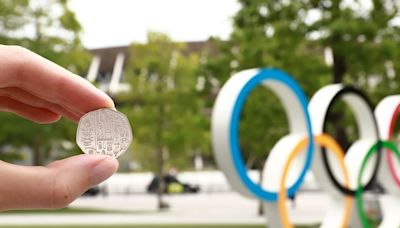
203,208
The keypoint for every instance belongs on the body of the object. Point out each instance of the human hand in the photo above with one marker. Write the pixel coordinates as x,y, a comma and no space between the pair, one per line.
41,91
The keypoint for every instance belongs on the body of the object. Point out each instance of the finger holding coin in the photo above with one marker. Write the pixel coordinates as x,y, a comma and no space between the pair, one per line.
104,132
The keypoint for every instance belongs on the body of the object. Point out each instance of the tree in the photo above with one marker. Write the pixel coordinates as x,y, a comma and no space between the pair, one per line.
52,31
294,36
41,139
165,103
251,46
362,39
11,19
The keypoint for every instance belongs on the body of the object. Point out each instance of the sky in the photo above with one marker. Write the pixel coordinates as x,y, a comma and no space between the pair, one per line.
120,22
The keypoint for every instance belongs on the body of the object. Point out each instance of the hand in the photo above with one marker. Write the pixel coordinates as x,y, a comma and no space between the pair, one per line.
41,91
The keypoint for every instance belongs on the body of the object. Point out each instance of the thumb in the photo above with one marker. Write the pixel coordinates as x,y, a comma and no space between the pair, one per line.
54,186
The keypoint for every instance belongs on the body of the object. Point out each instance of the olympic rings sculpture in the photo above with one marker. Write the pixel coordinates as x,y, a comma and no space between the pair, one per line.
343,175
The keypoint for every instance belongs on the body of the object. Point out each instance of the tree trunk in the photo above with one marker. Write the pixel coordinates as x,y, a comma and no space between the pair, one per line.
260,202
37,154
336,118
161,184
251,161
160,150
339,66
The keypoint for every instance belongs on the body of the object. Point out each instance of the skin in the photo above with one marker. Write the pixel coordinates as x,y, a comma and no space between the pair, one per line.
41,91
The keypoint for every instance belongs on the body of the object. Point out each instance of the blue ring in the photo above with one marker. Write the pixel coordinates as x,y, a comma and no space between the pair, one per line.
262,75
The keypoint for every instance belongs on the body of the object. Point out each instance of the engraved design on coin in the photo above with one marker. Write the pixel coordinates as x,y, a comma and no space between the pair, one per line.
104,131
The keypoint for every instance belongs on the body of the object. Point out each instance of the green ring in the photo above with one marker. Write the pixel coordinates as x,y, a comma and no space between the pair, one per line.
359,201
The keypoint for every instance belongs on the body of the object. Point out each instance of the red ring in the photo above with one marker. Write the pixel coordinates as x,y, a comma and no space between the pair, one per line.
390,158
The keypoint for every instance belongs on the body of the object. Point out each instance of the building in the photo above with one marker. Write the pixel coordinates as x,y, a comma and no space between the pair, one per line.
107,66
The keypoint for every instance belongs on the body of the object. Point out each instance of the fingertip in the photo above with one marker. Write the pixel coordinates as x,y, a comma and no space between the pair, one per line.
46,117
49,119
103,170
108,101
101,99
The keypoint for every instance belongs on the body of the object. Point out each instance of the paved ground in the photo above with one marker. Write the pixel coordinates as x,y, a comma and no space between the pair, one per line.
221,208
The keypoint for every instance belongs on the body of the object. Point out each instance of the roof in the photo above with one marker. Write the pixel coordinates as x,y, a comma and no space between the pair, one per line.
108,54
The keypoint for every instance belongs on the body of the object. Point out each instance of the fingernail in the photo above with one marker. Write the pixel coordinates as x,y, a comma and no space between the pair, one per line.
108,98
103,170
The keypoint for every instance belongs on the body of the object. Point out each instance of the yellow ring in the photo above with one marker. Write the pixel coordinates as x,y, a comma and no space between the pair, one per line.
322,140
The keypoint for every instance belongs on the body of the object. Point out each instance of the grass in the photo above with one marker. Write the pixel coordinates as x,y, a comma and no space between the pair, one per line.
68,211
144,226
150,226
88,210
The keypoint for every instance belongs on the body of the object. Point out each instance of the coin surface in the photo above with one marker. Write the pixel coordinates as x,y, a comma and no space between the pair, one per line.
104,131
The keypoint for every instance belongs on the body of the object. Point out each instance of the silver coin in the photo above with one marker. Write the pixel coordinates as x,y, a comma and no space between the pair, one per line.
104,131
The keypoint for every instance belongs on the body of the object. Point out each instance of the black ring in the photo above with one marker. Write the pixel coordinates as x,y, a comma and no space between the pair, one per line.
339,95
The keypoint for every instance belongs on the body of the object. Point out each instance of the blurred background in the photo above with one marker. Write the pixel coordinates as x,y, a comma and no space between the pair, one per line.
163,63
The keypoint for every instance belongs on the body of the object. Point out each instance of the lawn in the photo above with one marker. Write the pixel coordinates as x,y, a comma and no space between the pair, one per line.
83,210
144,226
151,226
69,211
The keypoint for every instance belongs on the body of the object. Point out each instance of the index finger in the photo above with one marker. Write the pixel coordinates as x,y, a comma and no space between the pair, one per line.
29,71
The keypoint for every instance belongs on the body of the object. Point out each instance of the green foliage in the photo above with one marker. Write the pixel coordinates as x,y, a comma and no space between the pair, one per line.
165,104
263,122
11,16
51,30
294,35
42,139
